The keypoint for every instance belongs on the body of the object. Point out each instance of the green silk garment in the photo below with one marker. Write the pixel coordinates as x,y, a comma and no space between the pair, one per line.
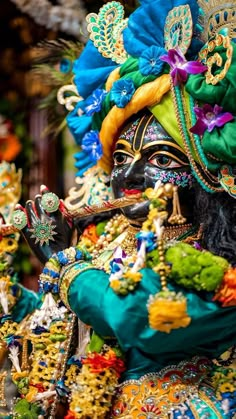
27,302
210,333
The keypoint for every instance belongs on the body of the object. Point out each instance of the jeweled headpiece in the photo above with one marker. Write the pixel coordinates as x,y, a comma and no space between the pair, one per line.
158,59
217,17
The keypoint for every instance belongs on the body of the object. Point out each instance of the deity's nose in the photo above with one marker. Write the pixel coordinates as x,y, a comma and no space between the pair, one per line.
134,176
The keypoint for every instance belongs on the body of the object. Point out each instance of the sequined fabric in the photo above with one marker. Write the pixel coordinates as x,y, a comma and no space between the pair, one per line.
177,392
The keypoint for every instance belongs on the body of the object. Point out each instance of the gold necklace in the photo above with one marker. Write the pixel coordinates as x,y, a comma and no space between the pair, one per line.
173,232
129,244
119,232
107,242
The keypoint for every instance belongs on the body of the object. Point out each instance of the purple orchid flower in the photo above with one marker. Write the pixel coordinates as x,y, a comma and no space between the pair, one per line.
208,118
180,67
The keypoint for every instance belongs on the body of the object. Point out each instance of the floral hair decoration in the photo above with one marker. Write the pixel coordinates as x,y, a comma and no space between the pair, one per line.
160,58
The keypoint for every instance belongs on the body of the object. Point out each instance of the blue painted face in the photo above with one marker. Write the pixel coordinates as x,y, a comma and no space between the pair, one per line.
144,154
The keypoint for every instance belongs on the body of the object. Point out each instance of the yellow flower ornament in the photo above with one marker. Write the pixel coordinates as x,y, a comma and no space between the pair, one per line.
167,311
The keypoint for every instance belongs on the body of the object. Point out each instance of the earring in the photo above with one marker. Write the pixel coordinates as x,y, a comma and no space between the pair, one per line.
176,217
24,357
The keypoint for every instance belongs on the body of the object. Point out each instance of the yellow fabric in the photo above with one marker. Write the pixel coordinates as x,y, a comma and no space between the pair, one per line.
115,75
145,96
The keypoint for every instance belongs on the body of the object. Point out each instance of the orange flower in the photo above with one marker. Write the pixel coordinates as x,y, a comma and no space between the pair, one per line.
70,415
9,147
30,396
90,233
98,362
227,292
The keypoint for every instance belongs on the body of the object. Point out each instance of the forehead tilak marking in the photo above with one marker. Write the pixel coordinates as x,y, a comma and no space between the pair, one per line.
152,133
140,132
164,143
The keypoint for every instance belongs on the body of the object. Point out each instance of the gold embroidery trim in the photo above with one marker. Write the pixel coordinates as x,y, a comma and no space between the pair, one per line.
208,401
68,275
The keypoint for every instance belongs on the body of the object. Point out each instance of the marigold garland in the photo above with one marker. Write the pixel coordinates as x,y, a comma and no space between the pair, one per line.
226,295
99,363
167,311
93,392
223,380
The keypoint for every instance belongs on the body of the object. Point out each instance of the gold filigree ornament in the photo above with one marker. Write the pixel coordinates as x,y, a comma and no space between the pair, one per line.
178,28
3,376
217,17
68,96
92,189
212,60
10,189
106,29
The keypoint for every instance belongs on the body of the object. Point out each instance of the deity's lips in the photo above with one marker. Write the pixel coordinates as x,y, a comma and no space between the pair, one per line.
134,193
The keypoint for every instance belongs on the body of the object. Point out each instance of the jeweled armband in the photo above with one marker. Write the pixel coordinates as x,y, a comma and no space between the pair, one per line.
67,275
49,278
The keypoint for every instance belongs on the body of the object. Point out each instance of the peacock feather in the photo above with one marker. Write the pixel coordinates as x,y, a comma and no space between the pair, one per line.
53,65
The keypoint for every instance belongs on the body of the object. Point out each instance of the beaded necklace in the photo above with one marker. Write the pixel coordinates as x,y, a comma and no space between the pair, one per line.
119,232
189,142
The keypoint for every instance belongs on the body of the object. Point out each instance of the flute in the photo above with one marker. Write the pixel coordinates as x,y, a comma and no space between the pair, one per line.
110,205
130,198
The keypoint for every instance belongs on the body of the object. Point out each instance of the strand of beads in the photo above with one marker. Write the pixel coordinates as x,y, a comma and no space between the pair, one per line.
126,275
179,110
167,309
198,148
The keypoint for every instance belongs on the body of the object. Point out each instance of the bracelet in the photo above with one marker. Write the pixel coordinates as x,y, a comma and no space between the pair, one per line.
48,279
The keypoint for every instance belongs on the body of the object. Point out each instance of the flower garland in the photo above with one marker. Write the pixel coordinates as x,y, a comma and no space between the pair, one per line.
67,16
186,266
180,262
93,388
50,332
90,378
226,292
51,374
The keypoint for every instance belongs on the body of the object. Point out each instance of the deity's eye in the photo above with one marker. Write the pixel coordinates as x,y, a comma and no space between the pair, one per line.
163,161
122,158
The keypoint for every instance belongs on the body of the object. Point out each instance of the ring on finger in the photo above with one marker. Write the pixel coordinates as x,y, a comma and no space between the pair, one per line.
19,219
50,202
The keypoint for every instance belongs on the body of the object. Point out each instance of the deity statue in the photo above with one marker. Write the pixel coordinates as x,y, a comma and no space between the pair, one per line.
139,282
16,302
